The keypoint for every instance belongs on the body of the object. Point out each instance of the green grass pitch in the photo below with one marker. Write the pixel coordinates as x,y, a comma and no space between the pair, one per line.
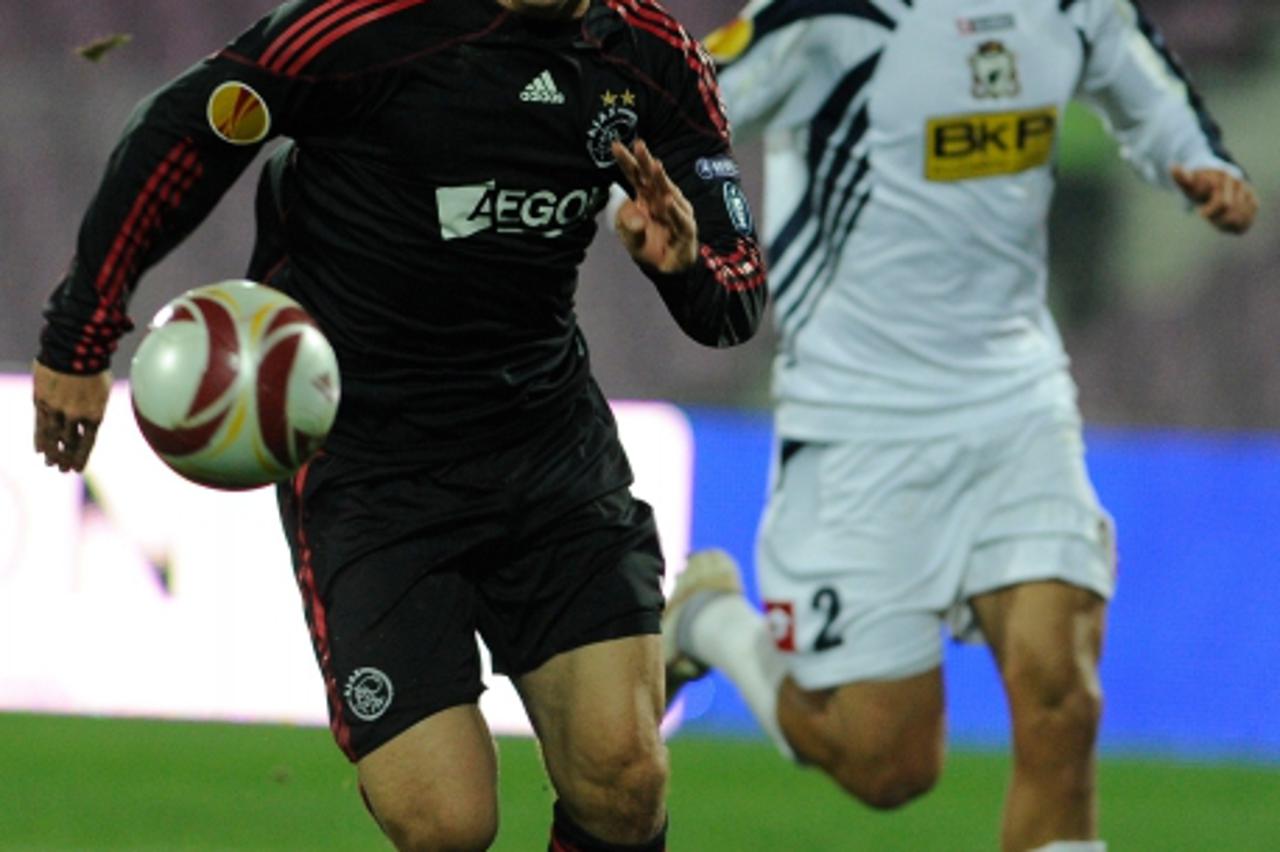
93,784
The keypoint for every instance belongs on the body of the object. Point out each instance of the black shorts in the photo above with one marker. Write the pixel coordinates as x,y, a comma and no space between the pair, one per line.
539,547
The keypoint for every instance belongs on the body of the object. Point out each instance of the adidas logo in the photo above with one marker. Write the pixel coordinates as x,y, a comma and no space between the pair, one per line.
542,90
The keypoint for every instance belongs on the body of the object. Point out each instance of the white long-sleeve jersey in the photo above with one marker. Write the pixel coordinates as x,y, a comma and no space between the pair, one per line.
909,155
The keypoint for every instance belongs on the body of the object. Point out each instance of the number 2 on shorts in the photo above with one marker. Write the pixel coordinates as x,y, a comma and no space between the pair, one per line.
826,600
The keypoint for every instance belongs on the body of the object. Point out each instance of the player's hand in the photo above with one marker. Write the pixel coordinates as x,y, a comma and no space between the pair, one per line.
68,411
657,227
1223,199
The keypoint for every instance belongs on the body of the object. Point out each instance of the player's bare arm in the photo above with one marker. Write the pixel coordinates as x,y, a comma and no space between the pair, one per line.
657,226
1221,198
68,410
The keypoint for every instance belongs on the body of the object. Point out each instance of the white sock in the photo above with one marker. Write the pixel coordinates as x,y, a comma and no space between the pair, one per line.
1073,846
726,632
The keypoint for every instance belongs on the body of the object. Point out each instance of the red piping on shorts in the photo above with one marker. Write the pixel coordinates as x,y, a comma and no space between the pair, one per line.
319,626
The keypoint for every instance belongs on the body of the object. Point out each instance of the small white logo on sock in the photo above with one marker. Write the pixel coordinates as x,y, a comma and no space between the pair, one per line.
542,90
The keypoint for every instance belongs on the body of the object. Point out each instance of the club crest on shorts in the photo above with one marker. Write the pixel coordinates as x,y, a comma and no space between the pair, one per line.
780,616
368,693
616,120
995,71
238,114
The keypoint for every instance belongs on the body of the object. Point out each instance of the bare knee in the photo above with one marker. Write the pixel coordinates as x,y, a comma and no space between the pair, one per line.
1047,638
886,781
1057,707
622,786
455,829
883,743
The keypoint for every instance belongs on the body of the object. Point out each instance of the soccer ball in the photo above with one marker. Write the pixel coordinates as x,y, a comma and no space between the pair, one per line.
234,386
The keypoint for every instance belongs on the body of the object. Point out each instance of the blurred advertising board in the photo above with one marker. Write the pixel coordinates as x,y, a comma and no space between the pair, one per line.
130,591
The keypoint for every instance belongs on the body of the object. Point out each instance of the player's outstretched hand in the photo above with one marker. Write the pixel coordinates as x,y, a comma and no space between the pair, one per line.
1223,199
657,227
68,411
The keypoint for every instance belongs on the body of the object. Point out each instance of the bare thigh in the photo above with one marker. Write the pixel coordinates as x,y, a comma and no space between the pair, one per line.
1047,640
435,784
1044,633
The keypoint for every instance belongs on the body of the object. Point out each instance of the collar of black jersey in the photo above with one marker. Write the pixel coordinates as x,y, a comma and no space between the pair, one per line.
594,31
600,25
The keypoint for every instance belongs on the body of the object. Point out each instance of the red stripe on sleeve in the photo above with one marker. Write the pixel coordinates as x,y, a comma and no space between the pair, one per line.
354,24
656,14
739,272
119,245
164,189
344,11
657,23
298,26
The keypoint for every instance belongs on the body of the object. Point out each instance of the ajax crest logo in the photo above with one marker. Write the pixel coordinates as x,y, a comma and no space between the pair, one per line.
616,120
995,71
368,693
238,114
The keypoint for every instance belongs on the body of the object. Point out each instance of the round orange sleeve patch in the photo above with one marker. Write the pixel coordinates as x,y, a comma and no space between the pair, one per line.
238,114
728,42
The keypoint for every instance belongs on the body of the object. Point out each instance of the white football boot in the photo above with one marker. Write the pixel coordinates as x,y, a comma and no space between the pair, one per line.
708,573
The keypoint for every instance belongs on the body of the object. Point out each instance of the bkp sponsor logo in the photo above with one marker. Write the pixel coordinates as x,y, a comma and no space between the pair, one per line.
468,210
238,114
978,145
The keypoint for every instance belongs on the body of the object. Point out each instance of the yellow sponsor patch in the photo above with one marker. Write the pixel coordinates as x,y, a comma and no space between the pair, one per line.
979,145
727,43
238,114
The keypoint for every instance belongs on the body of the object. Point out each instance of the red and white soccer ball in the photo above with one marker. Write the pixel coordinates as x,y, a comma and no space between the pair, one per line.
234,386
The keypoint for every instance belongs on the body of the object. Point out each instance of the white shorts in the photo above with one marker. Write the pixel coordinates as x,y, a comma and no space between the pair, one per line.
868,547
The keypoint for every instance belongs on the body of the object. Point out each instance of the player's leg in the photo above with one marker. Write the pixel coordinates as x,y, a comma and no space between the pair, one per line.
586,658
1038,580
843,669
597,710
573,618
433,787
1047,640
882,740
396,649
707,610
404,686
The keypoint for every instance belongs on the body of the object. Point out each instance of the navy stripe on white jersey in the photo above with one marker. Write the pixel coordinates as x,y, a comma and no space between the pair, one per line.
838,171
1212,133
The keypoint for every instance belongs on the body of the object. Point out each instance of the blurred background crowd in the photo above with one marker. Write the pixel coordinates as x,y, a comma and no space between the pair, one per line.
1168,323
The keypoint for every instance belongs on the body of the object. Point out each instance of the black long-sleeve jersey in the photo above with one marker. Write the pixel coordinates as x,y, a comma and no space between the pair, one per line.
445,166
